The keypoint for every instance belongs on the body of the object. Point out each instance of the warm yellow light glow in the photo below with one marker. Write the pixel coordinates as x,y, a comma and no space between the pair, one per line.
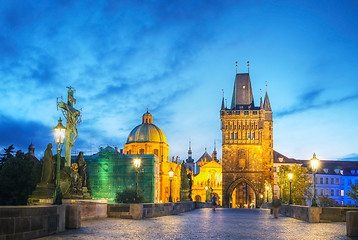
206,188
171,173
137,162
314,162
261,196
267,187
59,132
290,176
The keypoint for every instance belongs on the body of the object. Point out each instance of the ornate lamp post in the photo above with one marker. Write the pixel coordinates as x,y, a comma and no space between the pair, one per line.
60,133
136,163
314,164
171,175
267,190
290,177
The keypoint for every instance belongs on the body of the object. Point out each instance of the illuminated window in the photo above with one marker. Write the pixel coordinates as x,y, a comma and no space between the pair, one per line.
342,193
253,136
332,180
321,193
341,172
326,192
248,136
337,180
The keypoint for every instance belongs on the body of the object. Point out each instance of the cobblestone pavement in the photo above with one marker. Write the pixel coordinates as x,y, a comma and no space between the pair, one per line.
207,224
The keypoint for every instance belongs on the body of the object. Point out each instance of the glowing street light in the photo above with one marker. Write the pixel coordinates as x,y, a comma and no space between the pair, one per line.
171,175
314,164
290,177
60,133
267,190
136,163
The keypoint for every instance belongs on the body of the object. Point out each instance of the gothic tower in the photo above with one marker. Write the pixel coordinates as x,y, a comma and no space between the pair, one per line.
247,150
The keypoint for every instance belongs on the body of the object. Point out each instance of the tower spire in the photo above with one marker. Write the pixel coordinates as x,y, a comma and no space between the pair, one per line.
222,103
261,104
248,66
189,151
236,66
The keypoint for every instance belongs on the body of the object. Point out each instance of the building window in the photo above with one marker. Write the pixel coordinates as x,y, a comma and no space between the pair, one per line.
254,112
321,180
235,135
342,193
246,112
327,192
337,180
253,136
337,192
332,180
327,181
321,192
141,151
332,192
342,181
336,171
248,136
325,170
232,136
353,171
156,152
341,172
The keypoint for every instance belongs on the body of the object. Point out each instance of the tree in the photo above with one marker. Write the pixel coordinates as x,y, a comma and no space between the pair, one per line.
353,193
129,195
300,184
327,202
7,155
18,178
184,184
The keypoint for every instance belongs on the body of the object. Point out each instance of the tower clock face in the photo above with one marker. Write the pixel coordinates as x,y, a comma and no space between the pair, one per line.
244,87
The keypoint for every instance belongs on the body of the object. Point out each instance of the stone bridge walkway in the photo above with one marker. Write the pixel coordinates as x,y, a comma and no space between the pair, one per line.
207,224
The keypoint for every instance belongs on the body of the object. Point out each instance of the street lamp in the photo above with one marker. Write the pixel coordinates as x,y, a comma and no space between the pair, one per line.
136,163
60,133
171,175
290,176
267,190
314,164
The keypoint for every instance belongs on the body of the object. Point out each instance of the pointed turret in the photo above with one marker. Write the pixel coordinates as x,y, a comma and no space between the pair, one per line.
215,153
223,104
190,154
261,104
242,96
267,105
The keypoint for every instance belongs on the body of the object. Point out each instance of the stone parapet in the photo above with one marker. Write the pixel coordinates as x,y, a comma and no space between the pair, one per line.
28,222
352,223
148,210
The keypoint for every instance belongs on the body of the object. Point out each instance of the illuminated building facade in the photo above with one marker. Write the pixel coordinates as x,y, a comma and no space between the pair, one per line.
247,146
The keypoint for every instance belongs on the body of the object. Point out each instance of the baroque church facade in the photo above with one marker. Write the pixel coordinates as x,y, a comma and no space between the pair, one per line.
247,146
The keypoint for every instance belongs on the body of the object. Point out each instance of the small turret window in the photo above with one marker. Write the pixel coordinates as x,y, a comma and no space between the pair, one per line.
248,136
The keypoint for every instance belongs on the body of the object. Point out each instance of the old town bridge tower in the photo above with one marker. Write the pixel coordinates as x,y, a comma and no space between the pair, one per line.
247,151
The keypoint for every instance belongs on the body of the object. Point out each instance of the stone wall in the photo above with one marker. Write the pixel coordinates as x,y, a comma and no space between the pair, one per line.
316,214
28,222
92,210
148,210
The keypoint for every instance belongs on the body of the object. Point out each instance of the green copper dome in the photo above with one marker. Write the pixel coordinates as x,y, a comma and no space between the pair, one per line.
146,132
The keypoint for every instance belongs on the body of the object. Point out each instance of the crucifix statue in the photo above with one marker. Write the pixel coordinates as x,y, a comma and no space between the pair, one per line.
73,117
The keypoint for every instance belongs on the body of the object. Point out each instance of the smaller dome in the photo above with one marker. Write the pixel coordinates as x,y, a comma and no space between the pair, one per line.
31,146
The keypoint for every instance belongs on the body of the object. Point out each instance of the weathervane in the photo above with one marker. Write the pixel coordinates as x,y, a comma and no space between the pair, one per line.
236,66
248,67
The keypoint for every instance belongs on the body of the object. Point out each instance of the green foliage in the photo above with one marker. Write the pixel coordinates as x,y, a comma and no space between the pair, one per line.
7,155
300,184
18,178
353,193
129,195
327,202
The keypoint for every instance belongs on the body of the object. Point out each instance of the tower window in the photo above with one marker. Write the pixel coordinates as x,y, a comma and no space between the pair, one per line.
248,136
253,136
235,135
254,112
246,112
232,136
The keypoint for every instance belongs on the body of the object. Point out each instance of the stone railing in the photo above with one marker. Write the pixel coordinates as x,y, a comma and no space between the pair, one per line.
148,210
28,222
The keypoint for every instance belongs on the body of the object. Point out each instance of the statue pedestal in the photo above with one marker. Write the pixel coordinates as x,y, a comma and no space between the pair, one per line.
43,194
86,194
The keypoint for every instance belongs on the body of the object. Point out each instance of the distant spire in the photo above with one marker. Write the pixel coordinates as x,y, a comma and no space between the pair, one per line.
261,104
214,157
236,66
189,151
147,110
248,67
205,149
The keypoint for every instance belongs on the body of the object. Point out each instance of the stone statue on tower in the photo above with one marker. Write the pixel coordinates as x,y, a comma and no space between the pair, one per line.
73,117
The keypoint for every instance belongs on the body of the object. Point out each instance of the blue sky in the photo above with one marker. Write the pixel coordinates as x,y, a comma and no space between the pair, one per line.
175,57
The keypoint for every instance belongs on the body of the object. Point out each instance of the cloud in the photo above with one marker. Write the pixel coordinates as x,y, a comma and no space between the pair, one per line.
307,102
350,157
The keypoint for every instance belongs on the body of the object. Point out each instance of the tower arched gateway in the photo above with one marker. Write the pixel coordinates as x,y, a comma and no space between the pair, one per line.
247,146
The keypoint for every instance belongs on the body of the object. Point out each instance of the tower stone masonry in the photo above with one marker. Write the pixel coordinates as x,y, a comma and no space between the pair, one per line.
247,145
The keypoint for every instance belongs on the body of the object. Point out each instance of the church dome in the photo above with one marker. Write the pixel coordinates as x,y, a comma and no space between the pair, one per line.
146,132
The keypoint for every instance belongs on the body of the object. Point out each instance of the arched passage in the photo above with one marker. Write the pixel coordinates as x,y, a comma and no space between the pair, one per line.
242,194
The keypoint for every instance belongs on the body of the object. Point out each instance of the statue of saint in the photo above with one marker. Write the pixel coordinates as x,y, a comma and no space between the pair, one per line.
48,168
82,169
